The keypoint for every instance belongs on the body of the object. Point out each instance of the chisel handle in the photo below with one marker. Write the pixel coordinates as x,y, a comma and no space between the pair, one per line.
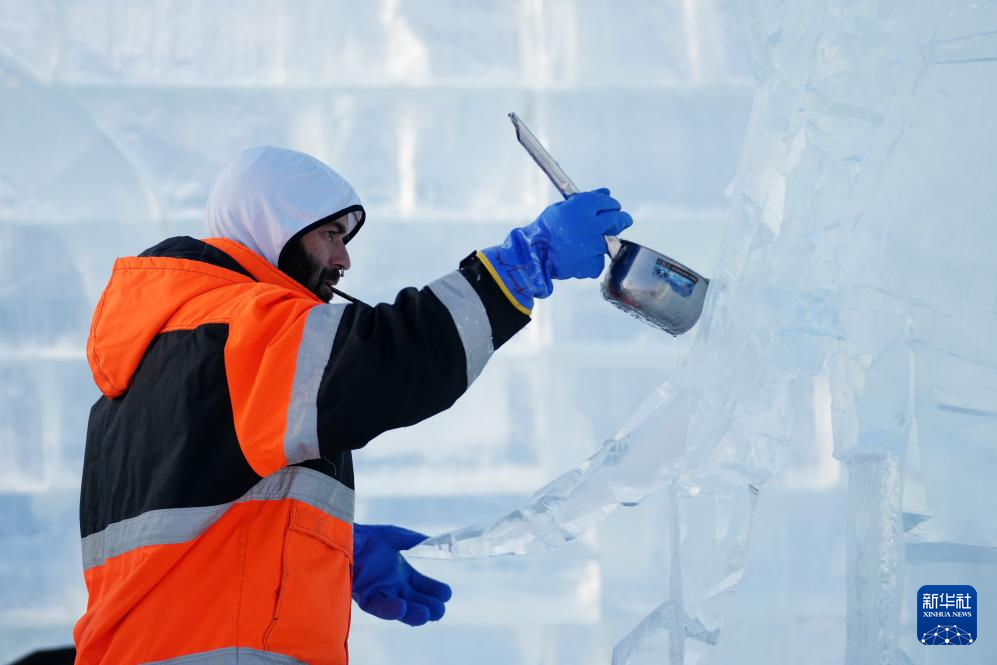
543,159
553,170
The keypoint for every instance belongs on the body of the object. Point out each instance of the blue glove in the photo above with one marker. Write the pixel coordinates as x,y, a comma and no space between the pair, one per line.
385,585
565,241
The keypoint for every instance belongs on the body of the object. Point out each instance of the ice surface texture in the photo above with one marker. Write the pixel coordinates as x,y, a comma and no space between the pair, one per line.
858,256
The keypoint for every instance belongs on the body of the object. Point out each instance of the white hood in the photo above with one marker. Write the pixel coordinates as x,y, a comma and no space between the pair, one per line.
266,196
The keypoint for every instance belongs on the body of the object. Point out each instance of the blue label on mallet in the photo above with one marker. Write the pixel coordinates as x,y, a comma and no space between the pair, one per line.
681,281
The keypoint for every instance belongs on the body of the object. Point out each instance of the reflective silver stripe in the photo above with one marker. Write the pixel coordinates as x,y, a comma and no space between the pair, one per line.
179,525
471,319
231,656
301,433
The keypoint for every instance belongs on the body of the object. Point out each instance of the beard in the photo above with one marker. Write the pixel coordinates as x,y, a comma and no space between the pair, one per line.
297,264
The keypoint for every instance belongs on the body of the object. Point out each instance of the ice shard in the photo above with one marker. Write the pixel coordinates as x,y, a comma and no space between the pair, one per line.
713,536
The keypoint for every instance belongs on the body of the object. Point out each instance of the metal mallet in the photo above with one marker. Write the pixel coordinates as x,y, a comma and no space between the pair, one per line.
640,281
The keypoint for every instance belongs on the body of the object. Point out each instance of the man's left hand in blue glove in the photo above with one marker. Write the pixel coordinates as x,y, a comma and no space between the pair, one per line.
385,585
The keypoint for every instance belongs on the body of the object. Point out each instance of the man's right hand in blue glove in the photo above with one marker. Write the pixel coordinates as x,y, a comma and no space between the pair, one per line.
565,241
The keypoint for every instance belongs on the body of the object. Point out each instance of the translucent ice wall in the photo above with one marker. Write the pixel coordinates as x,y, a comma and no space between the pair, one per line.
855,295
114,119
870,159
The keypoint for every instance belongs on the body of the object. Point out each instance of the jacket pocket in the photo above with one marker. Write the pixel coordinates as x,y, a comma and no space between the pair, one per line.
312,615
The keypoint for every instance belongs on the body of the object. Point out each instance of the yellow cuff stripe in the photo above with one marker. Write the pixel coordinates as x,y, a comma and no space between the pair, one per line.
498,280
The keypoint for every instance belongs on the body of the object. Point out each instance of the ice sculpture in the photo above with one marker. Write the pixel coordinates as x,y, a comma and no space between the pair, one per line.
858,256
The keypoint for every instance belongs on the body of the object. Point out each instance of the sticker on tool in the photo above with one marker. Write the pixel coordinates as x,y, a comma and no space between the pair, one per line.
682,281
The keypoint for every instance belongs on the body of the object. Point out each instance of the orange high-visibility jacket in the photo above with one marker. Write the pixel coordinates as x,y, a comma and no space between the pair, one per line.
216,506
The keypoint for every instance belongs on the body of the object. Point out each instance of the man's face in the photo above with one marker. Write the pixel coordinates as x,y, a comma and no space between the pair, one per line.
318,257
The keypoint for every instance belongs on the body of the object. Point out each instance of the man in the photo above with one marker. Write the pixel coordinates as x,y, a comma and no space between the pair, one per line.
217,498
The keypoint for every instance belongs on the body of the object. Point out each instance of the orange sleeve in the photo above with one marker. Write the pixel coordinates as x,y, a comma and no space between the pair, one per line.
261,354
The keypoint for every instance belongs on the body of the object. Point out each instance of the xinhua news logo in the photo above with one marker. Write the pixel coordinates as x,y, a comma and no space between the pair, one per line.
946,615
